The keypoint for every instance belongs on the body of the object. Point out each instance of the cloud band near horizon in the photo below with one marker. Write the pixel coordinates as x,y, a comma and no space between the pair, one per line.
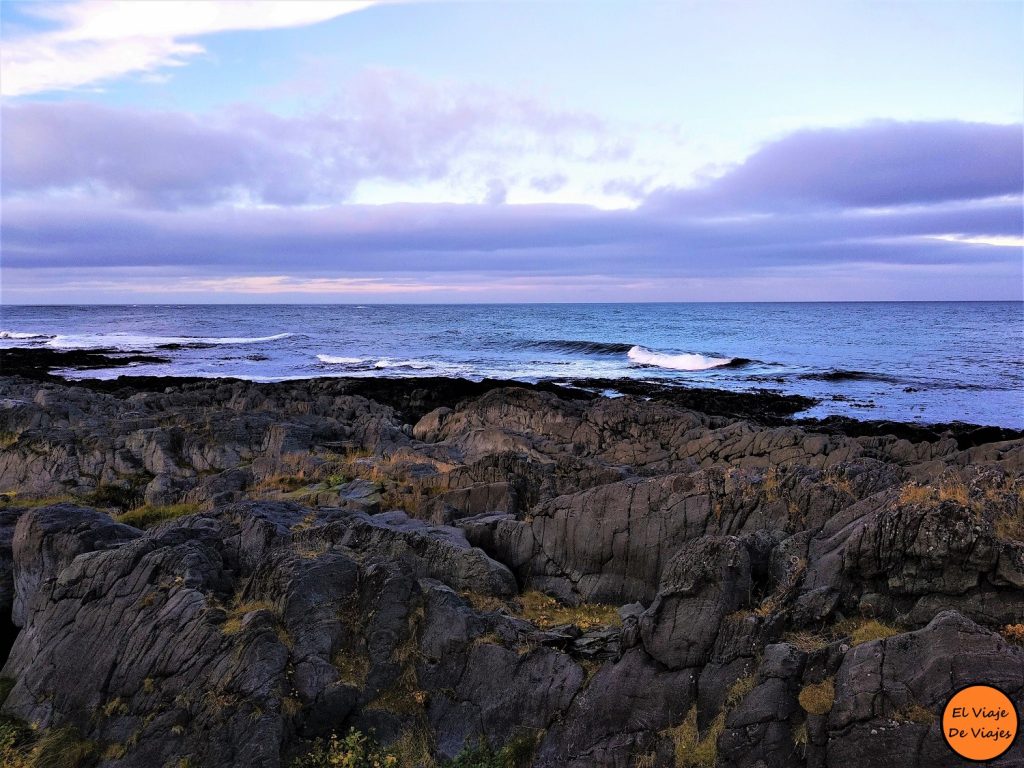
226,204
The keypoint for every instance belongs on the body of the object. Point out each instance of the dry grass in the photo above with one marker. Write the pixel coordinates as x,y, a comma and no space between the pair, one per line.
238,612
352,667
148,516
14,499
947,489
546,612
739,690
1014,633
484,603
290,706
912,493
915,713
402,698
61,748
1010,525
818,698
692,748
801,738
413,749
808,642
867,630
307,522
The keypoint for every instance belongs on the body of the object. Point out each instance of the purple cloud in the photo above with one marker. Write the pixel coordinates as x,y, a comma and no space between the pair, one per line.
387,125
881,164
885,195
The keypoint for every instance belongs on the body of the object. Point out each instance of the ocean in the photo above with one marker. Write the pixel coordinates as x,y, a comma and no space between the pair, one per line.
908,361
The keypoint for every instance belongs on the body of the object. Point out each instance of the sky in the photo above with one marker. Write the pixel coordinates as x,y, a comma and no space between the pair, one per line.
173,152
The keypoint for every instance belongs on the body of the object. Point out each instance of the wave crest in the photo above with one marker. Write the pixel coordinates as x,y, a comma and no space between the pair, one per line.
335,360
682,362
127,341
581,346
22,335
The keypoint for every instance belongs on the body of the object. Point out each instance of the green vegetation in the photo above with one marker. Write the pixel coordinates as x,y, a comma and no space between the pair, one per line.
148,516
13,499
119,497
517,753
355,750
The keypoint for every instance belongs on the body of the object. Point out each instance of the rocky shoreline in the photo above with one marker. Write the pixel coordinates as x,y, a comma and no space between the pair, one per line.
224,573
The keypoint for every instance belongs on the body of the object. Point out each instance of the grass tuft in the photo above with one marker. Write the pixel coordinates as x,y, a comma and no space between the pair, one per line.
818,698
692,748
147,516
872,629
546,612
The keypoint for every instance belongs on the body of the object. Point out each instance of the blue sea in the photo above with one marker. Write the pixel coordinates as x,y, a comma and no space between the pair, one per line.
922,362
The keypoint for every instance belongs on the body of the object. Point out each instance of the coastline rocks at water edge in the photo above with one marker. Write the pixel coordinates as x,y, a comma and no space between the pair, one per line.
224,573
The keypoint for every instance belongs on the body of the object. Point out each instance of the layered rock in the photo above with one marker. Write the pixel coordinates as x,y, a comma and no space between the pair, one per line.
725,591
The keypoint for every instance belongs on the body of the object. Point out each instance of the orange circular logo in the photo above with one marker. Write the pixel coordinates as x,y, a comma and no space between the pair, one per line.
979,723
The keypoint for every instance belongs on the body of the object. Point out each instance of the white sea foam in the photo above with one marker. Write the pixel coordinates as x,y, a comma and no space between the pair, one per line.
420,365
691,362
335,360
22,335
135,341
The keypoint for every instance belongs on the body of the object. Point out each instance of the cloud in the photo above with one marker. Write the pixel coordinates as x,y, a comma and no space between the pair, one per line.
385,125
881,164
99,40
965,224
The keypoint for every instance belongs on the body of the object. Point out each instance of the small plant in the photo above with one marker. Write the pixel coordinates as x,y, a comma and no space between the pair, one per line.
739,690
61,748
872,629
801,737
238,611
352,667
818,698
912,493
517,753
808,642
692,748
1010,525
1012,632
15,743
546,612
148,516
484,603
355,750
116,496
915,713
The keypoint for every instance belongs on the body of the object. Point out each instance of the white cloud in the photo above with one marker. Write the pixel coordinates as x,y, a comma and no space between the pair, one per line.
99,40
1000,241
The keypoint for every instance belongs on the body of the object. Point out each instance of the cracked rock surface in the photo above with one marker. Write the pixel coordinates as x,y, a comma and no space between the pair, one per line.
226,572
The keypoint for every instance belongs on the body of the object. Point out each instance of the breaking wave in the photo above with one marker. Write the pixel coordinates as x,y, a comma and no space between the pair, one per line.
126,341
335,360
681,362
